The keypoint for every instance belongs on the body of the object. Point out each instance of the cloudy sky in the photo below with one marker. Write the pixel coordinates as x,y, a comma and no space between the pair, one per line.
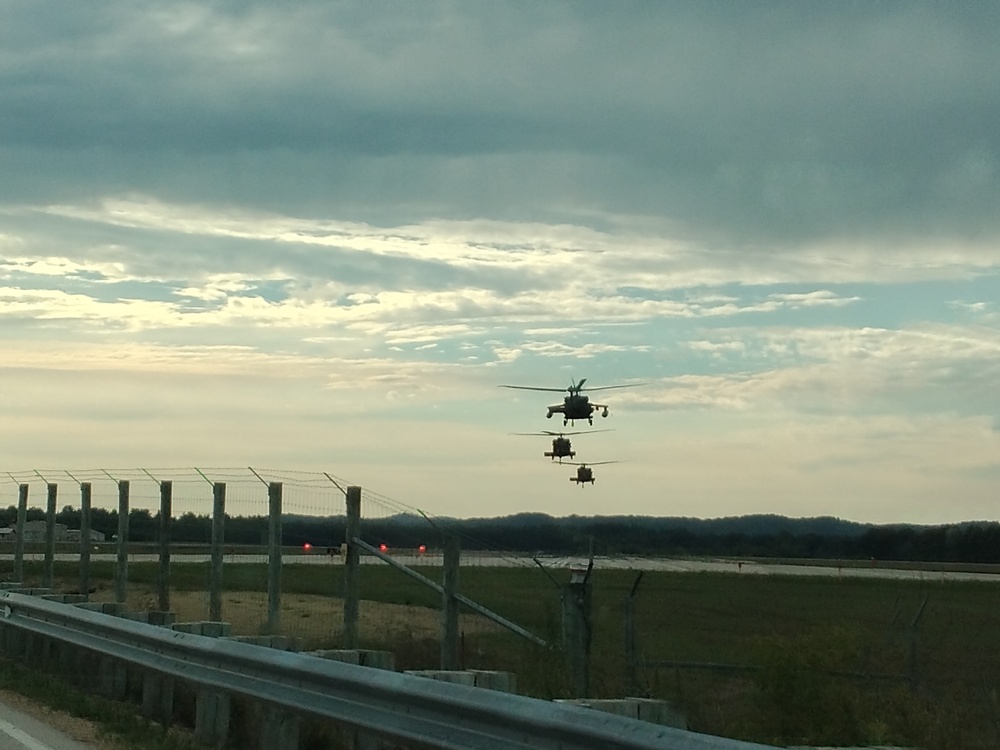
318,236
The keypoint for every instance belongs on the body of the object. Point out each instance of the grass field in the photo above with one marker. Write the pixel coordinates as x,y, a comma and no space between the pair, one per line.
823,661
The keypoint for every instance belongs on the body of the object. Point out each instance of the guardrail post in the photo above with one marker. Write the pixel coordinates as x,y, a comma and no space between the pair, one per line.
279,729
121,571
166,522
450,656
218,545
112,678
211,724
22,519
48,575
274,497
352,569
158,698
85,541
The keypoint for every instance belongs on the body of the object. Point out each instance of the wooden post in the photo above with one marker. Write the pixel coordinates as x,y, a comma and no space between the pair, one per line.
352,569
166,522
121,572
85,542
22,519
450,655
218,545
48,574
274,497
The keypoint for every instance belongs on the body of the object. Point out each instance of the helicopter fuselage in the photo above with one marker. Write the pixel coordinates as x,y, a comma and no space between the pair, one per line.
576,407
561,448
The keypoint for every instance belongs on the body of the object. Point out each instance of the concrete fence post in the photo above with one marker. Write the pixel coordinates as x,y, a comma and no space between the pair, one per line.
85,542
450,655
274,497
166,523
121,571
576,606
352,569
218,546
22,519
48,575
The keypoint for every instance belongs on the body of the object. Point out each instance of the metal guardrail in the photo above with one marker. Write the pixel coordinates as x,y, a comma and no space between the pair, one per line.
406,709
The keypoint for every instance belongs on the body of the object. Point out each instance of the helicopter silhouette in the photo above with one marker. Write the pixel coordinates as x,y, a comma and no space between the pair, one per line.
584,473
574,406
561,445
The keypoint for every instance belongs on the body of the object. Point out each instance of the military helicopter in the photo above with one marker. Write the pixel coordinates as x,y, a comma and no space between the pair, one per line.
574,406
584,473
561,445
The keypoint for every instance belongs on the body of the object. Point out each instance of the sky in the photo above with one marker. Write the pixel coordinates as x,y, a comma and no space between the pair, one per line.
318,236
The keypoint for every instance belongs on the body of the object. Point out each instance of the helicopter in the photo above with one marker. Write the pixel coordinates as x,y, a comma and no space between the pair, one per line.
574,405
561,445
584,473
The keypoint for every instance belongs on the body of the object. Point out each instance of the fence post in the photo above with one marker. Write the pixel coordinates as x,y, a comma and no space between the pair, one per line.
631,660
450,656
166,521
22,519
352,569
576,601
85,542
48,575
274,496
121,573
218,544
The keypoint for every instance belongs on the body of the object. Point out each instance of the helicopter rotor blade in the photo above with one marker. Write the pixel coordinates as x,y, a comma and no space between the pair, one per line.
609,387
532,388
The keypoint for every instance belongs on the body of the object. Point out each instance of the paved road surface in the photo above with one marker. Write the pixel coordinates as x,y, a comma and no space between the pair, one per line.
18,731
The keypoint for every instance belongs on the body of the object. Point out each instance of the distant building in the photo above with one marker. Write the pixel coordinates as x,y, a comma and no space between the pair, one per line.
34,531
73,535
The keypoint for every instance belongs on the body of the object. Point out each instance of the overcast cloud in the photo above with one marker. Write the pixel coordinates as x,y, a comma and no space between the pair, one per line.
319,236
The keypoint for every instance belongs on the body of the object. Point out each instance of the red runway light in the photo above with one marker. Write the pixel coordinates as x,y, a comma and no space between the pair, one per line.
307,546
422,548
383,547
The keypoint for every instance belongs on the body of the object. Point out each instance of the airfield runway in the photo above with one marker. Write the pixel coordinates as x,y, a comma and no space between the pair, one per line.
500,560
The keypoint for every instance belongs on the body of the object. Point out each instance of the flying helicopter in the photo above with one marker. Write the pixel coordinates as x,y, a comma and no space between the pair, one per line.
561,445
584,473
574,406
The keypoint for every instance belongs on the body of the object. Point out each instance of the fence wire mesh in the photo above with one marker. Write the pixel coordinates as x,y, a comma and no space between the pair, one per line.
312,537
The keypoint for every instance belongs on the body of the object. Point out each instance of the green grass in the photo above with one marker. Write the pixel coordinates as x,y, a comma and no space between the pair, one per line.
931,682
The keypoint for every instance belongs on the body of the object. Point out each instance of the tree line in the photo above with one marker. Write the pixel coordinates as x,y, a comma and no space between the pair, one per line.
738,536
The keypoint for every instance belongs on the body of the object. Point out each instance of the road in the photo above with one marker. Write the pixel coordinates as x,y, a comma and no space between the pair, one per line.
19,731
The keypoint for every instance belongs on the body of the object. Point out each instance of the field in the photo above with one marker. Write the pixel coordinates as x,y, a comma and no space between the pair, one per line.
782,660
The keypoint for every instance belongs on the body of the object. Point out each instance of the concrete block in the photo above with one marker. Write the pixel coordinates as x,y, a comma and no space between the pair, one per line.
279,642
106,608
455,676
361,656
65,598
492,679
645,709
209,628
8,585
